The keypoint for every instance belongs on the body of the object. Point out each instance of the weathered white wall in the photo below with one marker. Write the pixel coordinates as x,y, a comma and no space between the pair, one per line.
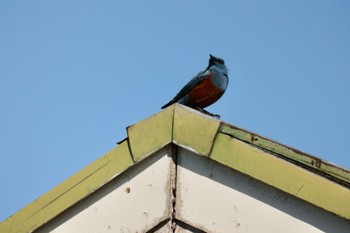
135,202
209,196
217,199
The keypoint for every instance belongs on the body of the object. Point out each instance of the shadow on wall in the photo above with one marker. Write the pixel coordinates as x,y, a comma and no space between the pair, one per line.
297,208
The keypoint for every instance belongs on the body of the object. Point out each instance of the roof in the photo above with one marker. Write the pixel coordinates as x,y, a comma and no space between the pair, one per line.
287,169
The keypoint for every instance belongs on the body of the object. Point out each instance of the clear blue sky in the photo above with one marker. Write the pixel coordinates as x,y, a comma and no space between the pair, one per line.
75,74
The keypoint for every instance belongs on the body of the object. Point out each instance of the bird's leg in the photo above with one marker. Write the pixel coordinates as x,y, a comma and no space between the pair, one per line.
208,113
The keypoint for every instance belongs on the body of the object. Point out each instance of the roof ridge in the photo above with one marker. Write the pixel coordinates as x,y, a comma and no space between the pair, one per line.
239,149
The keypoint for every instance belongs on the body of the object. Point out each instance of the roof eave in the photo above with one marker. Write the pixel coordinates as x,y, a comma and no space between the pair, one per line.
285,168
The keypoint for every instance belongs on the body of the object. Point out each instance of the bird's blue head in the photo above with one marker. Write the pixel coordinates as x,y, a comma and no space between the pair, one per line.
218,64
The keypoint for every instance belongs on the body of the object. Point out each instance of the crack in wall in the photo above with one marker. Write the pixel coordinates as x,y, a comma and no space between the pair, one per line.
173,183
177,225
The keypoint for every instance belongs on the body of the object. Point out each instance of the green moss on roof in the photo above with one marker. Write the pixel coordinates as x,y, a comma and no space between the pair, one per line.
331,171
285,168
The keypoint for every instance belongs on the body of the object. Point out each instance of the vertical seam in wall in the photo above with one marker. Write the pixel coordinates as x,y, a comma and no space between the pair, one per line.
173,181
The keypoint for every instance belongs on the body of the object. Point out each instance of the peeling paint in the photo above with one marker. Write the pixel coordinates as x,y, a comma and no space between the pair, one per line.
328,170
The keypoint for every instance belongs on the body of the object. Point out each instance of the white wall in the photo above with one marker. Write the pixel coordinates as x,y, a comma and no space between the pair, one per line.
218,199
209,197
134,202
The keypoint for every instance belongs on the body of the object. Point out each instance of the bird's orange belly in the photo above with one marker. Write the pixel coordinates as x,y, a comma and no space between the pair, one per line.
205,94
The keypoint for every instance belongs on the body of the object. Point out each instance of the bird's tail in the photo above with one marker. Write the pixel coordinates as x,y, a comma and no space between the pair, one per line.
167,105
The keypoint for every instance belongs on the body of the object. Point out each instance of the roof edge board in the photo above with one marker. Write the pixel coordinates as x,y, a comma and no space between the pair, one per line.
70,191
150,134
330,171
194,130
281,174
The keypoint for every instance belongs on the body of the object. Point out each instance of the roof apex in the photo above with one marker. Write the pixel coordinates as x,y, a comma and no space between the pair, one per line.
280,166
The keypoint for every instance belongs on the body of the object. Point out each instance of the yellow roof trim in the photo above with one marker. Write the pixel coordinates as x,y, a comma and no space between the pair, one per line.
70,191
336,173
281,174
151,134
194,131
287,169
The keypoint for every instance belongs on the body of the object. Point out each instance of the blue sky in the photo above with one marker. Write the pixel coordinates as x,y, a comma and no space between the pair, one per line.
75,74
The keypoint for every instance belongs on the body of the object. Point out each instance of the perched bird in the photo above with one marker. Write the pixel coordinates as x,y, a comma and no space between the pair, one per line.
205,88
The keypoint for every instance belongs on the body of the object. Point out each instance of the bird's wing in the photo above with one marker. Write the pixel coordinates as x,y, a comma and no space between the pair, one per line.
188,87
